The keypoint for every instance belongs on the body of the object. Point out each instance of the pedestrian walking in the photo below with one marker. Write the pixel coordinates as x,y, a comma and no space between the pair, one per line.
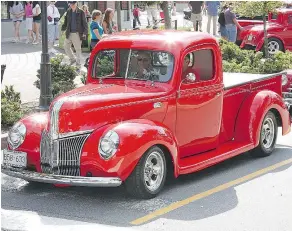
16,11
28,21
152,12
36,11
173,13
212,11
108,23
196,16
221,21
136,15
53,28
86,10
231,24
76,29
96,29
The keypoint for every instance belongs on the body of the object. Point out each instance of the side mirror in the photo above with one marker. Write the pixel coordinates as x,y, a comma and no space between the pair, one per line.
86,64
191,77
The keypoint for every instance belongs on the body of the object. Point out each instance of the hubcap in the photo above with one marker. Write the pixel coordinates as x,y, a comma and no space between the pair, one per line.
273,47
153,171
268,133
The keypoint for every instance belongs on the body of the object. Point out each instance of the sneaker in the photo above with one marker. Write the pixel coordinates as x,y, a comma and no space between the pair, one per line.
15,41
35,43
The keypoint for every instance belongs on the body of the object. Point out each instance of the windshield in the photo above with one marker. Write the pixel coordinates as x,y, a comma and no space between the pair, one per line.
133,64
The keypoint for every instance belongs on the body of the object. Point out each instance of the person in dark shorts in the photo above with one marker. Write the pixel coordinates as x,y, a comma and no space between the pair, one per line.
36,11
96,29
16,11
196,16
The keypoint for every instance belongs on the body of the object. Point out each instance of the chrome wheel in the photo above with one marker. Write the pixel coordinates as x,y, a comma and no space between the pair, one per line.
154,171
268,133
273,47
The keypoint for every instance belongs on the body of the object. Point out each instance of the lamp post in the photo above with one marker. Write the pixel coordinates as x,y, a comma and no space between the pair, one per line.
45,79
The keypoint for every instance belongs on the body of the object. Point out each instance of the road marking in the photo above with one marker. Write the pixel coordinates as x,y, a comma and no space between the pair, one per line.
209,192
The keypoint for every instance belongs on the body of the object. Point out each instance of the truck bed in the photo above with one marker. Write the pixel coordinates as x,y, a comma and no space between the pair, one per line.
231,80
237,87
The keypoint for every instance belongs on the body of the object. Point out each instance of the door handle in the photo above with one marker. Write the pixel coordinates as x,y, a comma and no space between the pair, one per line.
218,93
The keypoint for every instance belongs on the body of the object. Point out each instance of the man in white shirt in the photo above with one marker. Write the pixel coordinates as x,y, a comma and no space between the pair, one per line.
53,20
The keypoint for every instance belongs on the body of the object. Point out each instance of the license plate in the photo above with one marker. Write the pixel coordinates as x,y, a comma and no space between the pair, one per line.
249,38
14,158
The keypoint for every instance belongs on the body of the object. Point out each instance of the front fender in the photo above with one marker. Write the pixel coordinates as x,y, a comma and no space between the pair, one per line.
262,41
136,137
252,113
34,124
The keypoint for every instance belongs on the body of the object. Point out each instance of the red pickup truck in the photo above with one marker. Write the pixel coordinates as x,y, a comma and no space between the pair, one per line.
279,29
156,103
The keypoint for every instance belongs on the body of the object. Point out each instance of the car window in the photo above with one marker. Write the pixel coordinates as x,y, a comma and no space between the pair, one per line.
134,64
150,65
200,63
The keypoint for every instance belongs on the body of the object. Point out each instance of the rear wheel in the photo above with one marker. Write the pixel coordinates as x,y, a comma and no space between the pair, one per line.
268,136
148,178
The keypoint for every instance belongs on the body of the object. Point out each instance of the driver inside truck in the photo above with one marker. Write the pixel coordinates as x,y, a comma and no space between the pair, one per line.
145,68
187,69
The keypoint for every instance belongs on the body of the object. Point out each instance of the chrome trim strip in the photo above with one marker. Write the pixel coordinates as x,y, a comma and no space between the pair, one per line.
54,118
65,135
58,179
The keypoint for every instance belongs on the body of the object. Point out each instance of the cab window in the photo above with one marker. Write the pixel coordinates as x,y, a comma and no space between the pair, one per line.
200,63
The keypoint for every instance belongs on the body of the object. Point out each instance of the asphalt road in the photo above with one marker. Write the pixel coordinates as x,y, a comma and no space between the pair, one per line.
258,202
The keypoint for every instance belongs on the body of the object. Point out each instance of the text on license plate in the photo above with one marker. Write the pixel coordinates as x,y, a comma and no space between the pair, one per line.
14,158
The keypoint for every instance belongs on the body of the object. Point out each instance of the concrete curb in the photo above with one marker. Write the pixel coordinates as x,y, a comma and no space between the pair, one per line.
4,140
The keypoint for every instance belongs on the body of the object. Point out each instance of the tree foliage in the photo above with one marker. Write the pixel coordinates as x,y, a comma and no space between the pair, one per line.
255,8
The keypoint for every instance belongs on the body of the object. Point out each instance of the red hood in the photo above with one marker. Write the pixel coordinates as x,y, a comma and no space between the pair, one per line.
95,105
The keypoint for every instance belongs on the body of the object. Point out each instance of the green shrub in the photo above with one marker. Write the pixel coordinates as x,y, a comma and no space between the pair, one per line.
10,106
247,61
62,76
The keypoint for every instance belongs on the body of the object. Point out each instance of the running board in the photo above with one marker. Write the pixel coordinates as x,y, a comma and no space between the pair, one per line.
200,161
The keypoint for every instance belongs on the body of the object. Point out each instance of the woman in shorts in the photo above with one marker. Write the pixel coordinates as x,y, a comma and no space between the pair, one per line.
17,12
36,10
28,21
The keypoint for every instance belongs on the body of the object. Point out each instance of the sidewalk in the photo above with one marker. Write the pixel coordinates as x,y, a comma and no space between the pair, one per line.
22,62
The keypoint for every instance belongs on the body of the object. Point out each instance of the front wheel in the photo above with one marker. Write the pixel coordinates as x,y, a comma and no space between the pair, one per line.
148,178
268,136
274,45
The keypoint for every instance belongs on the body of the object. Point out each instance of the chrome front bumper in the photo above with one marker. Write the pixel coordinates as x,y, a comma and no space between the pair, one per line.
59,179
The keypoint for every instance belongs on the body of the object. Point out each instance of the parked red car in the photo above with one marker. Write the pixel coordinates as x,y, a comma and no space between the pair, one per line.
246,24
155,103
287,89
279,29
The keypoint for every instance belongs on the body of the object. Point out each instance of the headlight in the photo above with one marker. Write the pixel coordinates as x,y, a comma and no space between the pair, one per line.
108,144
284,79
250,37
16,135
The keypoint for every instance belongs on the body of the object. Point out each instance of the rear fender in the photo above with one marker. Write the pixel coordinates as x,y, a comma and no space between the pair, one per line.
252,113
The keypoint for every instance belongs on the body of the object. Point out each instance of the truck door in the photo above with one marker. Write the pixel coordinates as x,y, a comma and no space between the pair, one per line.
199,102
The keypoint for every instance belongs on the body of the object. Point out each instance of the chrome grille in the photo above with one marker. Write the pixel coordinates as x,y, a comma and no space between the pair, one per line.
61,156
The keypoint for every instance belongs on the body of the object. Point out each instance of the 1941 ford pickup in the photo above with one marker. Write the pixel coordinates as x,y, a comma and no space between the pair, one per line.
155,103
